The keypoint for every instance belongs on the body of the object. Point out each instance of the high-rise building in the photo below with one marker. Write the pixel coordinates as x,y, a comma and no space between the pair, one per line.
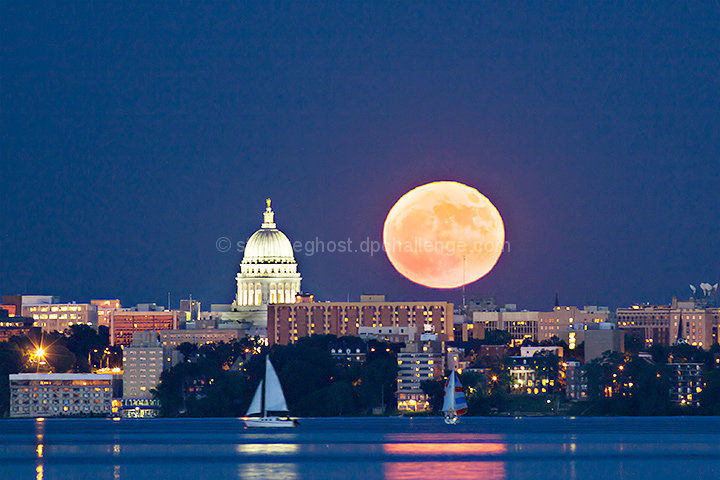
686,383
142,367
124,323
418,362
286,323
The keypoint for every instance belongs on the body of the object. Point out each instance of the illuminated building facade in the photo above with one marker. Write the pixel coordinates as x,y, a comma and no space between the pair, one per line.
13,326
170,339
104,307
189,312
575,381
564,318
417,363
686,383
59,316
668,324
467,331
286,323
60,394
123,323
268,273
390,334
142,366
520,325
527,376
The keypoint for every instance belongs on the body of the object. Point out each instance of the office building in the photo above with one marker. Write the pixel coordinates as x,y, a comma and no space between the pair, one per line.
124,323
170,339
417,363
686,383
389,334
142,366
575,381
520,325
104,307
52,317
670,324
12,326
61,394
564,318
286,323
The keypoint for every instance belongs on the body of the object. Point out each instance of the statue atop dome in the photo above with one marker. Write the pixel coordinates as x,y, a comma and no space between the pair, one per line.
268,216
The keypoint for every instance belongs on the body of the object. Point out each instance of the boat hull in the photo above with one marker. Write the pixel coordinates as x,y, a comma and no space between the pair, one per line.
451,418
270,422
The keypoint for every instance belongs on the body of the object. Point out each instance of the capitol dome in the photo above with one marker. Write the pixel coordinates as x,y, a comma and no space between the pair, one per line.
268,245
268,271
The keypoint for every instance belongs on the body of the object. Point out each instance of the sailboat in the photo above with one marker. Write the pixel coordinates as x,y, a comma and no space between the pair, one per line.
268,398
454,403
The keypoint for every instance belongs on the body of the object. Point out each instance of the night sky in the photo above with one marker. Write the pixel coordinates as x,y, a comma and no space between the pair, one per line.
133,136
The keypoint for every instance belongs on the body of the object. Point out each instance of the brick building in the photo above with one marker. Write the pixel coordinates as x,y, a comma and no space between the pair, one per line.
290,321
123,323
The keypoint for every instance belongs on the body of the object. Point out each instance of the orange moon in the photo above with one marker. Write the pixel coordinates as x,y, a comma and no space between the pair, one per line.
443,235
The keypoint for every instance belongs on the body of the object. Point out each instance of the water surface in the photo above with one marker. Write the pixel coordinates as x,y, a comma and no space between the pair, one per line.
362,448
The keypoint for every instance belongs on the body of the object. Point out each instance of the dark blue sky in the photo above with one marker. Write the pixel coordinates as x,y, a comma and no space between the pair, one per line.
133,136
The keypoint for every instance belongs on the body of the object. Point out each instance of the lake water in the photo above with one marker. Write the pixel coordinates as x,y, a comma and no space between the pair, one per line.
362,448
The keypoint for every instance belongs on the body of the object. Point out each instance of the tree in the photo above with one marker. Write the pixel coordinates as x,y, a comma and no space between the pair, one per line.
659,353
82,340
186,349
435,389
10,362
634,344
497,337
710,396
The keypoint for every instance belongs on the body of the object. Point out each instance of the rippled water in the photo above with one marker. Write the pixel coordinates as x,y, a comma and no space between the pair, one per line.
362,448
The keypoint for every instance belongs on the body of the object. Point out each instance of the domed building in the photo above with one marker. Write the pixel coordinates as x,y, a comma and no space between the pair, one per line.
268,272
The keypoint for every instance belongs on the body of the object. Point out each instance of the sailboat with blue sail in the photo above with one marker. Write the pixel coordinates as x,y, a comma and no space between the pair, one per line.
454,403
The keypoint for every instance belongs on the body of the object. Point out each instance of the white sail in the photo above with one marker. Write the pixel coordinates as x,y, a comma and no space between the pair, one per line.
274,398
449,395
256,404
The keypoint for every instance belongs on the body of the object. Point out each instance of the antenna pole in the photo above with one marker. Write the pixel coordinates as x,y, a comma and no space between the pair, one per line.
464,303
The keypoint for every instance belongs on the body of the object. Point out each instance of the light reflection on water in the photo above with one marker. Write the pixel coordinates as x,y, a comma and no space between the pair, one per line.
39,448
268,471
433,449
268,448
446,470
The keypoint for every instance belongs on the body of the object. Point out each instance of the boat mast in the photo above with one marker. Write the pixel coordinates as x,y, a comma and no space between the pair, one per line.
264,386
451,390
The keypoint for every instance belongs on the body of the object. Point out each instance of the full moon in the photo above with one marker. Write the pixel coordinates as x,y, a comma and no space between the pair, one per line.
443,235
